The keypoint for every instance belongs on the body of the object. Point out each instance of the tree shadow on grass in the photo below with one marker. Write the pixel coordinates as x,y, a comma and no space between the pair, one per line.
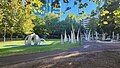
12,46
22,49
15,46
9,49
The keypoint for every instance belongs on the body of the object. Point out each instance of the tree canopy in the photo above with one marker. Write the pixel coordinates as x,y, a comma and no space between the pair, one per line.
16,18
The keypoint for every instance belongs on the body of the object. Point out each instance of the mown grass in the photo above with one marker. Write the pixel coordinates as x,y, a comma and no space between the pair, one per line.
17,47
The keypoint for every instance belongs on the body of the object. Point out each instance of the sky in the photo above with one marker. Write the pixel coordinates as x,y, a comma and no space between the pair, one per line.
74,9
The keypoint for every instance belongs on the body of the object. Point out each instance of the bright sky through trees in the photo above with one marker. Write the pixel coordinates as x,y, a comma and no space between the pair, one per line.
74,8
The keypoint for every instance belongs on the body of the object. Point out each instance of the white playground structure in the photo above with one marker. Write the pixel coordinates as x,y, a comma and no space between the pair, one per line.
33,39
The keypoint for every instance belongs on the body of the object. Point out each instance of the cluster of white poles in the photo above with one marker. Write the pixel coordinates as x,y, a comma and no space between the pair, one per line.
88,37
72,38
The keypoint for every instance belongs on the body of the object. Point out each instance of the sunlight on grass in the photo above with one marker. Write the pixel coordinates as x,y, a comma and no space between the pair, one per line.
53,44
8,44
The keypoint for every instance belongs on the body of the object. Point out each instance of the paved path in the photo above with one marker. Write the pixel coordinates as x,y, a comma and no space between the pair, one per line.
87,47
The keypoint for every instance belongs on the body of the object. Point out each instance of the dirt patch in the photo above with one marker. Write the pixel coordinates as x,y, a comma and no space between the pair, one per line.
104,59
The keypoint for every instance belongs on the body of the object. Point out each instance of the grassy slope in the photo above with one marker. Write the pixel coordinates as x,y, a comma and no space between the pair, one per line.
53,44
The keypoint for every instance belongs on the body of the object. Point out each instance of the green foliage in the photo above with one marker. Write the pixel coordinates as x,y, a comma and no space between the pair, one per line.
109,16
40,26
15,17
51,26
93,24
1,15
71,20
51,20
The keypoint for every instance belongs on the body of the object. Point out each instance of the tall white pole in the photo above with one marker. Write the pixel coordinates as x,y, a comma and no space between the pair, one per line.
5,33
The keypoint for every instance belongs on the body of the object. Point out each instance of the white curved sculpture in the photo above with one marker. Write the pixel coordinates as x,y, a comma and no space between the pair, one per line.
113,35
103,36
65,37
69,39
96,36
89,36
36,39
62,40
78,33
117,37
72,40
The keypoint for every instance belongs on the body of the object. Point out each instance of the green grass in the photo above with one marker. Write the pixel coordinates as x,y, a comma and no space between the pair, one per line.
7,49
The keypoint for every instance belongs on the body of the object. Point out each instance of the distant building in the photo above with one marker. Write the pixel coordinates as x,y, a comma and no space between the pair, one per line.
85,22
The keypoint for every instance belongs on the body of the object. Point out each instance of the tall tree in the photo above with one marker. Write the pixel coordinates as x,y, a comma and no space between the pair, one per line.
107,15
40,26
51,20
15,17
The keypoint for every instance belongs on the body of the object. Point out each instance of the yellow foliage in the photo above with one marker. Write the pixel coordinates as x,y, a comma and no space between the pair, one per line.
117,13
72,16
84,15
1,15
40,4
37,8
35,1
53,15
39,11
105,22
28,26
104,12
33,17
79,18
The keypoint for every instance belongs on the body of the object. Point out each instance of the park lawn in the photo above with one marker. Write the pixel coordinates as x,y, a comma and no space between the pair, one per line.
6,49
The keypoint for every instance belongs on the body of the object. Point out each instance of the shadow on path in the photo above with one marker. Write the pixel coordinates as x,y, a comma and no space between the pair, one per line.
86,48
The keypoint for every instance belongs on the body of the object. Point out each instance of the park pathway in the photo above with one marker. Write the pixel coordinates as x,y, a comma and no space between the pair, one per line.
86,47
